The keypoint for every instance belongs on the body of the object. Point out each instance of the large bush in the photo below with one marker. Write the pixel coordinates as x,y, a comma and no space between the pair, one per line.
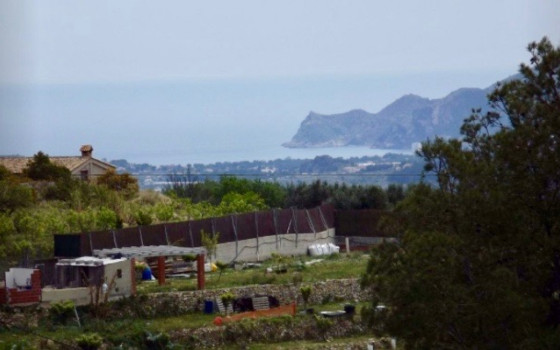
478,265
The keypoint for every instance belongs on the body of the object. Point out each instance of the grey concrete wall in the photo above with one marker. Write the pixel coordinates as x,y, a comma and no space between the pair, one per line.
258,249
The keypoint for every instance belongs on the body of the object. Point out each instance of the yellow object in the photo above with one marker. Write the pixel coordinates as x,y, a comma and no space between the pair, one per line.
214,267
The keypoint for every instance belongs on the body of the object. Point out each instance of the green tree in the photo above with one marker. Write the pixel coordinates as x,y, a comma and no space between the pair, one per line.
236,203
395,194
106,219
14,196
4,173
210,242
478,265
123,183
163,212
41,168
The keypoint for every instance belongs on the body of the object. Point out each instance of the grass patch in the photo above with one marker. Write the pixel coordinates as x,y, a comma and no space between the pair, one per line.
344,343
336,266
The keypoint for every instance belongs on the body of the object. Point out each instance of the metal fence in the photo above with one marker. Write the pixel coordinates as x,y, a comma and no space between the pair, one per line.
231,228
360,223
359,230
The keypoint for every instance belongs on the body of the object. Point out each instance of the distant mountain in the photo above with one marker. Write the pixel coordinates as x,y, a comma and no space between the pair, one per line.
407,120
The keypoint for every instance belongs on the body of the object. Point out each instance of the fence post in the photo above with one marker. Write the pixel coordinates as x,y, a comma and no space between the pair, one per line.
161,270
200,273
294,216
257,229
190,234
90,243
347,242
310,223
114,238
166,236
323,219
234,226
275,221
140,233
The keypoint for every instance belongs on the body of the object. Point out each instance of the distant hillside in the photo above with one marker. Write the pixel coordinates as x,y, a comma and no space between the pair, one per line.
407,120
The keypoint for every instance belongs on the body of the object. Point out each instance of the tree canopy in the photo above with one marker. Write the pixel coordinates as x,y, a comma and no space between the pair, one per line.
478,263
41,168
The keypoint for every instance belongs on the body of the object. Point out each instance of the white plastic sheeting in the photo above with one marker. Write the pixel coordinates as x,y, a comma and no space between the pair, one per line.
323,249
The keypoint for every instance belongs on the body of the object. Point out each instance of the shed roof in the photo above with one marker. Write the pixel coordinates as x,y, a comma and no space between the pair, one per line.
88,261
148,251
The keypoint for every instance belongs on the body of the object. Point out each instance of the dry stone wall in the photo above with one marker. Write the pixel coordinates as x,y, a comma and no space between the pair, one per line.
343,290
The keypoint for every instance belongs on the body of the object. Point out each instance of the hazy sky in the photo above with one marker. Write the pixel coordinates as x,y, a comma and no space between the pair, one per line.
112,73
129,40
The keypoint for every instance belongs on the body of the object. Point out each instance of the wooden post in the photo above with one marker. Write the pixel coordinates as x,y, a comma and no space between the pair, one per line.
347,241
161,270
200,271
133,276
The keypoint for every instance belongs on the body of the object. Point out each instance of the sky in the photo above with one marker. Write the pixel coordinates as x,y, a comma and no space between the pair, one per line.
340,54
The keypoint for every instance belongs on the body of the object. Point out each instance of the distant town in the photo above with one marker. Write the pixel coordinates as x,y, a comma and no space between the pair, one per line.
372,170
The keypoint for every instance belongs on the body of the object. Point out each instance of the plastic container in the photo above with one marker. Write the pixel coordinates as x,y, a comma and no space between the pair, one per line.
349,309
208,307
146,274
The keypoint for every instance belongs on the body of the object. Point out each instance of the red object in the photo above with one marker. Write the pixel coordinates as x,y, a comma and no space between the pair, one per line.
200,271
161,270
12,296
277,311
218,321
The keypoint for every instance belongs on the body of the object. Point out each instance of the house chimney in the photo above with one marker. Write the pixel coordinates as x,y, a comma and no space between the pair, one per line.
86,150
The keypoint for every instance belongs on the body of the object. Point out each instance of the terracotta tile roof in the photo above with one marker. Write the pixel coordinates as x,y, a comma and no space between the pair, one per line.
17,164
14,164
69,162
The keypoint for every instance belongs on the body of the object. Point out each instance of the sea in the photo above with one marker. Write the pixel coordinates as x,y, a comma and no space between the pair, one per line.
211,155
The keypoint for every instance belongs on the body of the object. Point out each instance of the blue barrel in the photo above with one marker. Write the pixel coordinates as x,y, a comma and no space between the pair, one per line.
208,307
146,274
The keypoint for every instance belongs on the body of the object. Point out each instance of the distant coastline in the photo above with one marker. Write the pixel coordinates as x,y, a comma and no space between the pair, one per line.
211,155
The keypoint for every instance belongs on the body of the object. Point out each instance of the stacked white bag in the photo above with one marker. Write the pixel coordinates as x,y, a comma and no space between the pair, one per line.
323,249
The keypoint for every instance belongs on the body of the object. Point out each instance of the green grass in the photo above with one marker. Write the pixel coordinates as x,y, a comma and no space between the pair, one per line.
311,345
179,322
337,266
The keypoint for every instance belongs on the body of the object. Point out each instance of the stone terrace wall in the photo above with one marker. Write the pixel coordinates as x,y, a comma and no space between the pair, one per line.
347,290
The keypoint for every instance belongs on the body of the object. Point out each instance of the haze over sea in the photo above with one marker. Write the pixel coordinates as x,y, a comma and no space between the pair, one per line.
260,152
185,122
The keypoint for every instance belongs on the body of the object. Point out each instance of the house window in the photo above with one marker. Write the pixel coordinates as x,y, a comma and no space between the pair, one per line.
119,273
84,175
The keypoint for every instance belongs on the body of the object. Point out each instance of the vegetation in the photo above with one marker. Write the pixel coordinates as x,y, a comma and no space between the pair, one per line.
305,294
61,312
341,266
90,341
478,264
33,209
137,323
227,298
258,194
222,266
209,242
123,183
41,168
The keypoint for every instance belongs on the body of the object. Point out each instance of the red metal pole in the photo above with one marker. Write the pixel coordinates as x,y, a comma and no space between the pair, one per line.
161,270
200,271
